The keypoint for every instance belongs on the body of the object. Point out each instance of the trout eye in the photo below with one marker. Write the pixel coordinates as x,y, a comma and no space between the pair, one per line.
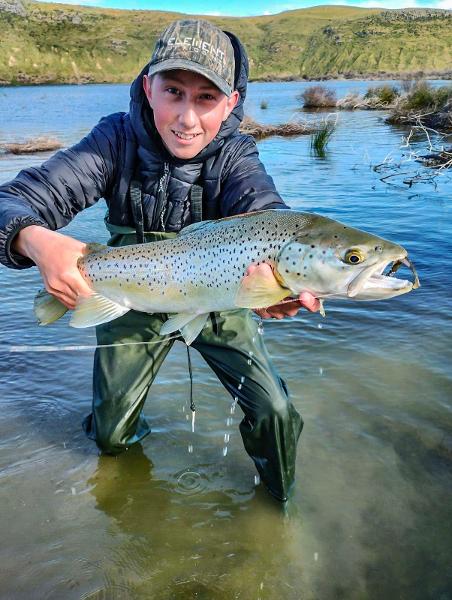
353,256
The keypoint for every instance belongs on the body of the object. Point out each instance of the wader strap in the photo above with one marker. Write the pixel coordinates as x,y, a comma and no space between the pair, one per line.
190,372
196,203
137,209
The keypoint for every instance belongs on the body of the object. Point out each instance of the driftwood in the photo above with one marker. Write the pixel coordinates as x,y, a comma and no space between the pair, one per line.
39,144
259,131
442,159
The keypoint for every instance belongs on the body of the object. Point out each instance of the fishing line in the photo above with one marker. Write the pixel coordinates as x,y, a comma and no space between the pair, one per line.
50,348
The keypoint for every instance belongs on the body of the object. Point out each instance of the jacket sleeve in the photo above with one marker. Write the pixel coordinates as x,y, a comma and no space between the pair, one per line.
52,194
246,185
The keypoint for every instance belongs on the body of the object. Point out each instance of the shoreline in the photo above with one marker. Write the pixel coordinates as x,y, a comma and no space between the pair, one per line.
446,76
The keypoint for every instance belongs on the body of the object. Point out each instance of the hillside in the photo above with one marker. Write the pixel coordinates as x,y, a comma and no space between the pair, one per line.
57,43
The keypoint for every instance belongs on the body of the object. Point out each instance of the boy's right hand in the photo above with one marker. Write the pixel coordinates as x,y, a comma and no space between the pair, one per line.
56,257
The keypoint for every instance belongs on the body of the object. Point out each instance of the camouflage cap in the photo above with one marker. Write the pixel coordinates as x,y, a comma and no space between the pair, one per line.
199,46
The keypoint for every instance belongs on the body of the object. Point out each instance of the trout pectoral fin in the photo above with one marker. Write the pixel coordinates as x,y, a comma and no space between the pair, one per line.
190,325
95,310
259,291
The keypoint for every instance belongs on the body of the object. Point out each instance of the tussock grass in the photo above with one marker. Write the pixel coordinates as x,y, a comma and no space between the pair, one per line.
39,144
384,94
320,139
57,43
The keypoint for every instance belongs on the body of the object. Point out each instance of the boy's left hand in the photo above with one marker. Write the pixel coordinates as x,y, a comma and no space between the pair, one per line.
284,309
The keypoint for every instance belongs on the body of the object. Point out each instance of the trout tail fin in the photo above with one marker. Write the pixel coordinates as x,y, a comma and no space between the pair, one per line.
47,308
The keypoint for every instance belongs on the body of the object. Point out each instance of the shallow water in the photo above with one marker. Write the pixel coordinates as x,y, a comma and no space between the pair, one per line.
181,518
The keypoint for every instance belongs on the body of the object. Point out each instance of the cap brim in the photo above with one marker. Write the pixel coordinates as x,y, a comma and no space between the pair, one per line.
188,65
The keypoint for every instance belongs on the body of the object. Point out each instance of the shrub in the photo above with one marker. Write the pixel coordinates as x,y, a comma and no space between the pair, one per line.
318,96
384,94
423,96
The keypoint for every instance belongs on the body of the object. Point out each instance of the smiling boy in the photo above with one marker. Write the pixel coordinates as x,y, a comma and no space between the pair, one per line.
177,157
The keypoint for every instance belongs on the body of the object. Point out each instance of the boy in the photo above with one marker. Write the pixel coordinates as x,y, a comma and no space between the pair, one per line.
175,158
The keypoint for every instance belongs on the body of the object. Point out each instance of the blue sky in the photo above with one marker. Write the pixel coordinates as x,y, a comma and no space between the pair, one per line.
241,8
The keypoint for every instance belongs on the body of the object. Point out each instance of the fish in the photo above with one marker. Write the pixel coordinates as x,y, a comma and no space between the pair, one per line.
204,269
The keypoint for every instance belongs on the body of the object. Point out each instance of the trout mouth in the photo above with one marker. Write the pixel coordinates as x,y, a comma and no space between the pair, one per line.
374,283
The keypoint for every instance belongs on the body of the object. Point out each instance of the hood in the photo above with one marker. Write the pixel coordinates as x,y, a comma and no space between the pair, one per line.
142,118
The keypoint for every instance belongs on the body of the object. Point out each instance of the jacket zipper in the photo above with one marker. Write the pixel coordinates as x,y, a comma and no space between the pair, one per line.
162,193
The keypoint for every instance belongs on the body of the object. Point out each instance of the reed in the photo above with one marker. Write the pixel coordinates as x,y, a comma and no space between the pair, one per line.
321,137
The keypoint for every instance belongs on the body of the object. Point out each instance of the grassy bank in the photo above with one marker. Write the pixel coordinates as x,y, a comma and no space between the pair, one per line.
57,43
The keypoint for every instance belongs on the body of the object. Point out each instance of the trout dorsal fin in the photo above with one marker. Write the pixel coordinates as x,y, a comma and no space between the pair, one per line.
94,247
193,227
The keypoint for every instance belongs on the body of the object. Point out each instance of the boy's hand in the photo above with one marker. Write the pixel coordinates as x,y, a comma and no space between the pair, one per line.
56,257
284,309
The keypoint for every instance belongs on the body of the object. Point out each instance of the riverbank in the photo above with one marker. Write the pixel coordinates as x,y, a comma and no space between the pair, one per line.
64,44
25,80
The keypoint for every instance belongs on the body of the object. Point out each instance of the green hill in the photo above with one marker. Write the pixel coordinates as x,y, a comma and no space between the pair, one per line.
45,43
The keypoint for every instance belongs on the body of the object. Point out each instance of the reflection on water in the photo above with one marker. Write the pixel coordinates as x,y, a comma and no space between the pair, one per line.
183,516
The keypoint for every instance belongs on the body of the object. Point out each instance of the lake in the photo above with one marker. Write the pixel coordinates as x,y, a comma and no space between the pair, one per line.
182,516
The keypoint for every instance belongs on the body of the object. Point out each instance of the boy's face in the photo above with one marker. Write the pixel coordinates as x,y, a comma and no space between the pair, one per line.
188,110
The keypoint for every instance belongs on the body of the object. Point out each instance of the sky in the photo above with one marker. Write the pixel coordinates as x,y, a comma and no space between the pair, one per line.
241,8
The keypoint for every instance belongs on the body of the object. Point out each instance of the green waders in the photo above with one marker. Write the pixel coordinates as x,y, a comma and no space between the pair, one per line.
123,375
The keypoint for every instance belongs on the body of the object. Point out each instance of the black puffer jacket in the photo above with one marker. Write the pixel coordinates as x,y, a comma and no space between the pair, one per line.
123,144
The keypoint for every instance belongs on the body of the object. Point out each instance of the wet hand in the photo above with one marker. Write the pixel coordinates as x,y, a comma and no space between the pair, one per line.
56,257
288,307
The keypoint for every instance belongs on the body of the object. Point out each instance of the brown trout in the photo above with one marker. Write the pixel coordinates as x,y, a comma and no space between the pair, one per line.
203,270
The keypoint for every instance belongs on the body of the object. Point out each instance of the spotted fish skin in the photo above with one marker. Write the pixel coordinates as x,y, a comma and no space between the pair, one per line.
203,269
199,270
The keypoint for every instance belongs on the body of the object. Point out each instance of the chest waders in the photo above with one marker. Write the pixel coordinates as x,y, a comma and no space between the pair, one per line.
123,374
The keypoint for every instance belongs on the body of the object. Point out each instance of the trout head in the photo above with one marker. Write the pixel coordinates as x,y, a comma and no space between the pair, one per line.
332,260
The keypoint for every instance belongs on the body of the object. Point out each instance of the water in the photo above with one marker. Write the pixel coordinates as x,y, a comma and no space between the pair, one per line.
185,516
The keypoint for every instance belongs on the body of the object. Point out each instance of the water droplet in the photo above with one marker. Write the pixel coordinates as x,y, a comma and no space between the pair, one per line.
242,379
190,449
260,327
193,414
187,417
257,480
316,556
226,438
320,371
229,421
73,491
239,387
320,326
249,361
225,450
253,339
